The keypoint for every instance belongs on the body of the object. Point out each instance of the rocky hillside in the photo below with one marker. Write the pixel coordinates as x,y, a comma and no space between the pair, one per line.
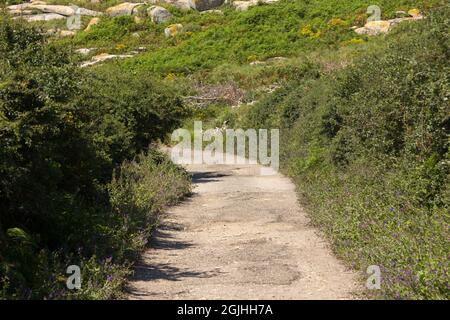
179,19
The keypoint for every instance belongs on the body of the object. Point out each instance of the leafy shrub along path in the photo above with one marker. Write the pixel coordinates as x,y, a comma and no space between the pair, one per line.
79,184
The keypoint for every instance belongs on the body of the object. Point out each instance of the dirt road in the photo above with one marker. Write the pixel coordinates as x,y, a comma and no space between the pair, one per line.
241,236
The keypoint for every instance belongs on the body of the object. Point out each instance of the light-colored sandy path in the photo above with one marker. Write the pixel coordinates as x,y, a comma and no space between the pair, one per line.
240,236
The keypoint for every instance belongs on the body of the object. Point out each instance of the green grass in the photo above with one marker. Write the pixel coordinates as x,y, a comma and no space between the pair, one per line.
216,48
241,37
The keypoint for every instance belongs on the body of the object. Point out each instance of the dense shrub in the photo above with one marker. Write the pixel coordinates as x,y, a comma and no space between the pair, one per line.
126,110
63,132
368,149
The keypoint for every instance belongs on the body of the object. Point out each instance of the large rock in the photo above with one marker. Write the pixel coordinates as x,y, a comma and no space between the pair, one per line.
103,57
159,14
45,8
91,23
181,4
87,12
212,12
396,21
84,51
66,33
62,10
244,5
173,30
42,17
373,28
21,6
16,12
123,9
203,5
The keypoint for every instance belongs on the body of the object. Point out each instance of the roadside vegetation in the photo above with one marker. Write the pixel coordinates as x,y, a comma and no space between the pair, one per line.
368,147
79,184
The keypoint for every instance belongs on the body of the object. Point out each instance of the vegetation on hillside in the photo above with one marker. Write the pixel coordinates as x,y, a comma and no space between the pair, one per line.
368,147
210,40
72,189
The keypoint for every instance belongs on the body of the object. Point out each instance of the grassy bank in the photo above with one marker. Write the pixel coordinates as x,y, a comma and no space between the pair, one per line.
368,149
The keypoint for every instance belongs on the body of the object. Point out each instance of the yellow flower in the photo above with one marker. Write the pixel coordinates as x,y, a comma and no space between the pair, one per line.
414,12
337,22
171,77
252,58
308,32
69,118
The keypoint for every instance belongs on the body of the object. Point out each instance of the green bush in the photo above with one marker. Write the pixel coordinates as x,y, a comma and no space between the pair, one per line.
368,147
129,110
64,131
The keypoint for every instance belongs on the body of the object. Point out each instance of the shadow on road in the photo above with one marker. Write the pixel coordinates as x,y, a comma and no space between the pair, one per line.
163,239
150,272
203,177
